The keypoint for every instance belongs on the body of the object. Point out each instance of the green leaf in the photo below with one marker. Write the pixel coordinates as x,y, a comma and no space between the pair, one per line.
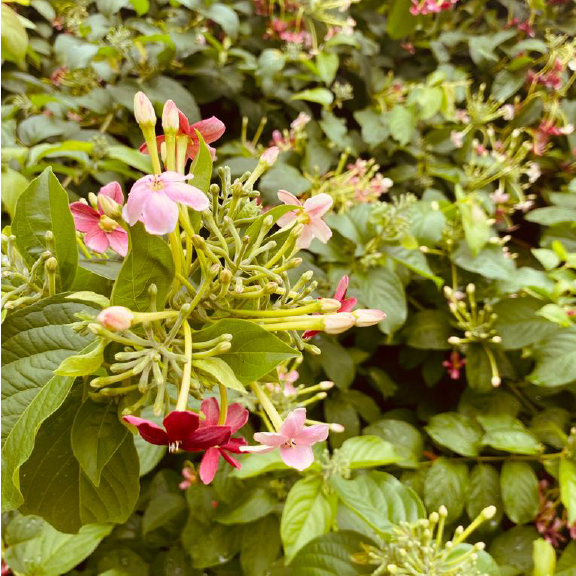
548,258
400,20
254,351
519,485
514,548
509,434
555,360
549,426
490,262
284,176
149,261
405,438
544,557
455,431
253,506
43,206
161,510
368,451
223,15
319,95
374,126
518,324
507,83
402,124
429,330
202,166
35,341
484,564
379,499
54,486
131,157
567,559
14,36
309,512
221,371
96,435
13,184
35,548
474,221
478,368
484,491
336,361
567,480
327,64
445,485
256,464
141,6
381,288
331,554
260,546
86,362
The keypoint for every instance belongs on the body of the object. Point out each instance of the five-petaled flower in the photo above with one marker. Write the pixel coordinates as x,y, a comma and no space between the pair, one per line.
182,432
310,214
154,200
100,230
347,304
211,129
236,417
454,365
294,440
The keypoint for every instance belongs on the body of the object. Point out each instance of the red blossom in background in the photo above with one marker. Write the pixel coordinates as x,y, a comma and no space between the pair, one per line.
454,365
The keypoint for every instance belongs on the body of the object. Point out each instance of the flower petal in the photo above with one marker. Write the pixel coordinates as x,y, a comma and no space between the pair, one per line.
209,465
237,416
159,214
85,217
299,457
262,449
318,205
230,459
321,230
312,434
294,423
340,293
151,432
348,304
211,410
211,129
114,191
138,195
206,437
234,445
287,219
187,194
170,176
306,237
270,438
97,240
309,333
288,198
119,241
159,140
180,424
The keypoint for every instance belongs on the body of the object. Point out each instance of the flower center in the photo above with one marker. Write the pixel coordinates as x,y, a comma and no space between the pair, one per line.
157,185
174,447
107,224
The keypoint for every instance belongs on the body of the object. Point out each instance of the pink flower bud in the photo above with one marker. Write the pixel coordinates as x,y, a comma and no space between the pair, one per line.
270,155
368,317
339,322
143,110
170,117
109,206
116,318
330,305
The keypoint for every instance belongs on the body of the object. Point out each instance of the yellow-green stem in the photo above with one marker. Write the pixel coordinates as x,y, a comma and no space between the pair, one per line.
223,405
269,408
187,370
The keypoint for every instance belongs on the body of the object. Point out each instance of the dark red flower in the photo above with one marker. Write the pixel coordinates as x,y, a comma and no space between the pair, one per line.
235,419
183,432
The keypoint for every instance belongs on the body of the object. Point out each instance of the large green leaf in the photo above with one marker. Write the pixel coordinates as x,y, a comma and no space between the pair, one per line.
55,487
445,485
218,369
379,499
555,360
202,166
519,485
456,431
405,438
567,479
149,261
474,221
400,21
35,341
260,545
256,464
514,549
254,351
367,451
309,512
43,206
253,506
35,548
490,262
429,330
484,491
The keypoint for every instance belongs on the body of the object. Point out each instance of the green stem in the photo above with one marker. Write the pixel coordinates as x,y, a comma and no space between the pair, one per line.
182,403
170,151
269,408
223,405
150,138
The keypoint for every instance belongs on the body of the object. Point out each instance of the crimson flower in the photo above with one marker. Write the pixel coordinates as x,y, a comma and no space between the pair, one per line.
211,129
454,365
235,419
183,432
347,304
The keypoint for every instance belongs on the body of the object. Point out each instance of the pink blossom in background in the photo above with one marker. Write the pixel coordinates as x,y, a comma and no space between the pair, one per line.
154,200
430,6
189,478
236,417
454,365
101,232
294,440
311,212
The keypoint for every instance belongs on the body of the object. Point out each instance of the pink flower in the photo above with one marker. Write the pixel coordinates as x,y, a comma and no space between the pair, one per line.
347,304
454,365
143,110
270,155
189,478
116,318
310,213
211,129
368,317
235,419
154,201
100,230
294,440
183,432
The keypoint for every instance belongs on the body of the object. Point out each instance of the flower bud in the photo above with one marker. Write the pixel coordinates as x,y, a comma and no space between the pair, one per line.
488,512
110,207
496,381
143,110
368,317
116,318
51,264
338,428
329,305
270,156
339,322
454,340
326,385
170,117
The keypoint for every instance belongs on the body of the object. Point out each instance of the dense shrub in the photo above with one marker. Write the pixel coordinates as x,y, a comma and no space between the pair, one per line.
440,137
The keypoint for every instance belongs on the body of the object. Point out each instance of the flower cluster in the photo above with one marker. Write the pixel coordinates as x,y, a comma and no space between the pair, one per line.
430,6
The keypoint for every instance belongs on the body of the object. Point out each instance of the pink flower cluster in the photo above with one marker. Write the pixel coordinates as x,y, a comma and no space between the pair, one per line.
551,79
548,523
545,130
525,27
281,29
287,140
373,189
424,7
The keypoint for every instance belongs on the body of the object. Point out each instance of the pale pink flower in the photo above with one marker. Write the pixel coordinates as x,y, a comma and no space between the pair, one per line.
499,196
301,120
457,138
154,200
310,213
294,440
339,322
143,110
100,230
270,155
508,111
368,317
116,318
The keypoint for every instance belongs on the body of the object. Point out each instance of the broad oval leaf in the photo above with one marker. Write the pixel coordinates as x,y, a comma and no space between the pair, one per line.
445,485
455,431
367,451
519,485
